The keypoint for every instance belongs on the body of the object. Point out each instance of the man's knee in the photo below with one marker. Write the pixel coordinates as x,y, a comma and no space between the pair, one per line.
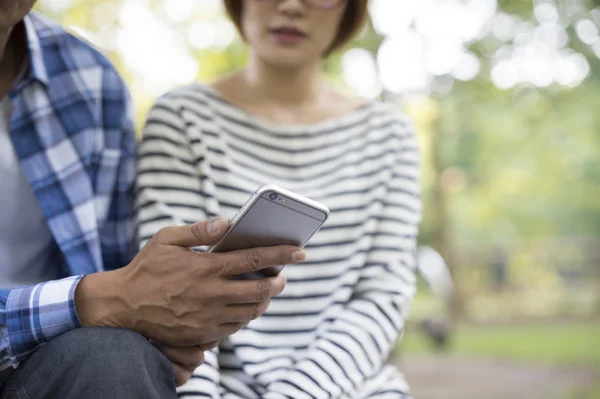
110,353
101,344
98,362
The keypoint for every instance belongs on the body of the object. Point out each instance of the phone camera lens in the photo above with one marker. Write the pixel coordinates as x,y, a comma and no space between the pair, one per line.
273,196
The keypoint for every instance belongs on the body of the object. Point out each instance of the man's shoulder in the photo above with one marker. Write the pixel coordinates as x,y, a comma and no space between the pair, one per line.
63,51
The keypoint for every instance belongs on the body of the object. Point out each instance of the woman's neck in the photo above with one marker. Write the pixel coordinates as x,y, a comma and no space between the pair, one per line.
291,87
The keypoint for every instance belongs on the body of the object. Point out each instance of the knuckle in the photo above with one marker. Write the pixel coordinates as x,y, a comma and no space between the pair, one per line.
197,231
256,260
264,290
162,234
211,265
207,265
224,264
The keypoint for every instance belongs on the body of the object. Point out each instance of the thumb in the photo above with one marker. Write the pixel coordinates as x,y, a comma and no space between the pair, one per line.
207,232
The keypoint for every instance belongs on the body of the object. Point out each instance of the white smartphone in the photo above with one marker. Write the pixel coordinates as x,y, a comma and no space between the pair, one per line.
272,216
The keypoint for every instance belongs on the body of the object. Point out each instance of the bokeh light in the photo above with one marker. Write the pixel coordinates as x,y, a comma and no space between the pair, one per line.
426,44
360,71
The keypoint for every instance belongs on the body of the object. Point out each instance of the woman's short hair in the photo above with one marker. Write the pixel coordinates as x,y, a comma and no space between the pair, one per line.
352,21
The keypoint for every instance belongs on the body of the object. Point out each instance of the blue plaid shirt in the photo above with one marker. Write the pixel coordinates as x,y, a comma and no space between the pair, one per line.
72,130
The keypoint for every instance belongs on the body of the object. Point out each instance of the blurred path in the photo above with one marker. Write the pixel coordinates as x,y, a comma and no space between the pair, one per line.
459,377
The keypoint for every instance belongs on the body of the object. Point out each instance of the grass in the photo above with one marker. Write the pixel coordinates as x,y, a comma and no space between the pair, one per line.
585,393
559,344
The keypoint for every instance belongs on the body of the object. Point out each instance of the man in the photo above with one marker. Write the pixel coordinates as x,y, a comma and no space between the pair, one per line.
66,233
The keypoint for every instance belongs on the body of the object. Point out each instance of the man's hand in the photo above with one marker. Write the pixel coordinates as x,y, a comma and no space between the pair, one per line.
179,297
185,359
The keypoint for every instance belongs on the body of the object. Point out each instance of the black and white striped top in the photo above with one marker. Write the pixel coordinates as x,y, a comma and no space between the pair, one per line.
329,333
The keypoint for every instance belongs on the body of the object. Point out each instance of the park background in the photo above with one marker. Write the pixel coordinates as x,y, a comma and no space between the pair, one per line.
506,99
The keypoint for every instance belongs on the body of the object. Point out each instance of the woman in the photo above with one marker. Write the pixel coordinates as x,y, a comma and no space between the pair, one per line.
206,149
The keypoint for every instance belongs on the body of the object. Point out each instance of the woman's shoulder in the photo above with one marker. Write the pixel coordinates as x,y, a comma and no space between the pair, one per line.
196,97
176,107
390,117
195,92
373,109
391,111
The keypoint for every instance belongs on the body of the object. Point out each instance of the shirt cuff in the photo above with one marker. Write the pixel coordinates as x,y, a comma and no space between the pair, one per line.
38,313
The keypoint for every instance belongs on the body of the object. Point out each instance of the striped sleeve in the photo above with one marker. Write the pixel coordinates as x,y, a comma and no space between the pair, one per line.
167,173
354,346
167,177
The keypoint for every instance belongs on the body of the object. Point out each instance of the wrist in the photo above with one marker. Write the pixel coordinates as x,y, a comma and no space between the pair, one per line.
98,301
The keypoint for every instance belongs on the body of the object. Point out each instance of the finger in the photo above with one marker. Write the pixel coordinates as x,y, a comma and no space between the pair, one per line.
228,329
252,291
193,235
181,374
210,345
189,357
244,313
255,259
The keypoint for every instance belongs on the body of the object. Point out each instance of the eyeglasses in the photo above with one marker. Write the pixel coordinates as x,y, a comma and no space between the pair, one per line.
320,4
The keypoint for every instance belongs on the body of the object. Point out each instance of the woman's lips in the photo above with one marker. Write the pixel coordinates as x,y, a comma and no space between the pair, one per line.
288,37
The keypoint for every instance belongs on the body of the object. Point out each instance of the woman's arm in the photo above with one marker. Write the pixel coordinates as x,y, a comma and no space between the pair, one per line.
167,183
167,180
356,344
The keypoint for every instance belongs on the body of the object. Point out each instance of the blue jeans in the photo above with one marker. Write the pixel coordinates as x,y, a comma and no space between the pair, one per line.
92,363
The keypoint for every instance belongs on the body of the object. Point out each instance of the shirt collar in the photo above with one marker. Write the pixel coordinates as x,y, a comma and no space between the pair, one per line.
38,68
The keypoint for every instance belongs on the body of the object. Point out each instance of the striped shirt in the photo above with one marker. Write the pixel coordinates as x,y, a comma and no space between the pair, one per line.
328,335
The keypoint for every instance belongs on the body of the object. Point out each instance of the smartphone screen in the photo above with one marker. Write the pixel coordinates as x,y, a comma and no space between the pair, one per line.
272,219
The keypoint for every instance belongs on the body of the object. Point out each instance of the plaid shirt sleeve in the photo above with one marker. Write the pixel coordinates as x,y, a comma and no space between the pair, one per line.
30,316
33,315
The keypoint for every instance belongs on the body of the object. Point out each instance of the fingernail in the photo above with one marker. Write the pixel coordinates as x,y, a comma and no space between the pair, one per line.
298,256
214,225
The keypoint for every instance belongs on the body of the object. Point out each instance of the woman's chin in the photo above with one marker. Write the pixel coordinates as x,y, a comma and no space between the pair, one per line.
287,59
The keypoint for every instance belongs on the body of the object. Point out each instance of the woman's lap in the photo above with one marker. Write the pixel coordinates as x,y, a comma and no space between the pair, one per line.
389,383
